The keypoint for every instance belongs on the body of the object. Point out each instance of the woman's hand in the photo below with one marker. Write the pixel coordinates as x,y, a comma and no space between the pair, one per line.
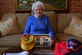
51,42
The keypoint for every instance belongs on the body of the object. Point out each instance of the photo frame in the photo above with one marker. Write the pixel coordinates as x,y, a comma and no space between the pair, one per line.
42,40
25,5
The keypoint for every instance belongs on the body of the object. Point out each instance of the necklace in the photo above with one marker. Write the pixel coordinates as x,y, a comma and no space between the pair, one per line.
38,22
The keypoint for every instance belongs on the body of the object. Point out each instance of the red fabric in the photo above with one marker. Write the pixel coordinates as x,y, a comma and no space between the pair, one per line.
60,48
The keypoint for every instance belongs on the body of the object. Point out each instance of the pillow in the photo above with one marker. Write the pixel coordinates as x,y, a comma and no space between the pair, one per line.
75,27
9,26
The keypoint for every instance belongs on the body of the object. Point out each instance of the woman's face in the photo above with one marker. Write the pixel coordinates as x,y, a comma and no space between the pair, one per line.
38,11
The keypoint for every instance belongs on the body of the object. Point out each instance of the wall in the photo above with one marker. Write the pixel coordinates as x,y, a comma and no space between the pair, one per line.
8,6
75,6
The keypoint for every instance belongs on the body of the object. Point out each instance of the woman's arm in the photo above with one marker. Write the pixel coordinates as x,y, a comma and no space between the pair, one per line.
27,27
50,29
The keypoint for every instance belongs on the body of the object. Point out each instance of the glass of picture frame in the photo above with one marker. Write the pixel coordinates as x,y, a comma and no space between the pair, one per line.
25,5
42,40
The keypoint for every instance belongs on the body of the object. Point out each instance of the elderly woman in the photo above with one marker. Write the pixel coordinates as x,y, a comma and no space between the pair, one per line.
38,23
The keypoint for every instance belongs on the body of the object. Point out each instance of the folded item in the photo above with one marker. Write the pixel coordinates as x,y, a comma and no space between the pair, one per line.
20,53
65,47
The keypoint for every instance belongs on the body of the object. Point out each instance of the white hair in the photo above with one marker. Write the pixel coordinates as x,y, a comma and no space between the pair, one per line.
36,4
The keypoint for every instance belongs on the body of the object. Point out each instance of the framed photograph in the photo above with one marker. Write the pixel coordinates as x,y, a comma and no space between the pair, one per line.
25,5
42,40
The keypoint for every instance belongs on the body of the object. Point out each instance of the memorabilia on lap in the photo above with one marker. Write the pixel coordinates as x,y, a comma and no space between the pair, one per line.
35,40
